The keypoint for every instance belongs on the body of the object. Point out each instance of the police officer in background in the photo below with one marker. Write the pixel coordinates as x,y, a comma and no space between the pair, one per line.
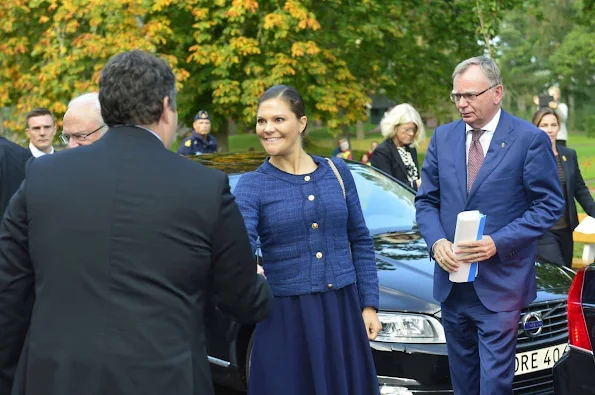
200,141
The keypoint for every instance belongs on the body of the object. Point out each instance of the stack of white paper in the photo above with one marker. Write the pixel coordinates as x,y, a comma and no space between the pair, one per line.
470,226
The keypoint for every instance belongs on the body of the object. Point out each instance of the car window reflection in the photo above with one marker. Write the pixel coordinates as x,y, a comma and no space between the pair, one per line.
385,203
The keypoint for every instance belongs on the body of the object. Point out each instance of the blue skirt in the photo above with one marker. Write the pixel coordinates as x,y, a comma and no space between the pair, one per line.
314,344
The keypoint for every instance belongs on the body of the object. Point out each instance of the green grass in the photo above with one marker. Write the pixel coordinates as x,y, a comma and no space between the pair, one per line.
243,142
585,150
578,250
246,142
321,142
318,141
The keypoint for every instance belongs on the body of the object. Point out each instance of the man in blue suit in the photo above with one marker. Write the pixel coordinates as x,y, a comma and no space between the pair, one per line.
504,167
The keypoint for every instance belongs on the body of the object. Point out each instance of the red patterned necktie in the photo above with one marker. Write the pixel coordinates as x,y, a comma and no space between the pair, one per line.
475,157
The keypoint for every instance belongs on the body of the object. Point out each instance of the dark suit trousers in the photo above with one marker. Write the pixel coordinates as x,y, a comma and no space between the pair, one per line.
481,343
555,246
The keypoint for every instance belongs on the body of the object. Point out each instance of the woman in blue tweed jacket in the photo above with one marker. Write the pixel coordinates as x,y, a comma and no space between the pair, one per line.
318,258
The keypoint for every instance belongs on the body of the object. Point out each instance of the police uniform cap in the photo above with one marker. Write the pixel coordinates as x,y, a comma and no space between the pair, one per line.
202,114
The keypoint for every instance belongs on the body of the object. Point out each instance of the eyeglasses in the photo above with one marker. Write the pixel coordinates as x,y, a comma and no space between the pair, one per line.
456,97
407,130
77,136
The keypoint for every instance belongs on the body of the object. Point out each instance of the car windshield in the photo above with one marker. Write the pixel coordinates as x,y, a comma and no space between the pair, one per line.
386,204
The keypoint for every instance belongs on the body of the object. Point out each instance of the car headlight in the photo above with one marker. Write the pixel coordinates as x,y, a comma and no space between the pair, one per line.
410,328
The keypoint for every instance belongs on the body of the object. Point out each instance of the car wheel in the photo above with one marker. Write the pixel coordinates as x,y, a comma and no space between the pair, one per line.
249,358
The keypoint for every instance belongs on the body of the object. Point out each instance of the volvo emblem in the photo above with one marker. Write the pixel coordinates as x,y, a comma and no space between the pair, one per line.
532,324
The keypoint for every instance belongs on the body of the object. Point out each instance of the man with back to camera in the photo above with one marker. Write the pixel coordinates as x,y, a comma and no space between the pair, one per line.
201,141
119,255
41,130
83,123
504,167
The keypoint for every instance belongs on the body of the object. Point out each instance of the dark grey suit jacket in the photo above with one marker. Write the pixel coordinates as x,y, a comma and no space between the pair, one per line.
13,158
119,241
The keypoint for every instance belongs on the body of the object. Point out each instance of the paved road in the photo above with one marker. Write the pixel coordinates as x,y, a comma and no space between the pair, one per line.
224,391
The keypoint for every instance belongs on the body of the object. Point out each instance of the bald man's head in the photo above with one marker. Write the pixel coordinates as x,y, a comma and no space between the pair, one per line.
83,124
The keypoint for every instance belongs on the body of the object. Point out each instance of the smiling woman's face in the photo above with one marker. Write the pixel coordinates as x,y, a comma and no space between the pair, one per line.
278,128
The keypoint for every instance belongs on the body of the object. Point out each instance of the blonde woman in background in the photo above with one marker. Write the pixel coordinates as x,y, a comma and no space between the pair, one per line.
403,131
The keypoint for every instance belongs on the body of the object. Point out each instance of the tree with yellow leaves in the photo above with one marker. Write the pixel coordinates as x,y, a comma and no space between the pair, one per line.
227,52
51,51
248,46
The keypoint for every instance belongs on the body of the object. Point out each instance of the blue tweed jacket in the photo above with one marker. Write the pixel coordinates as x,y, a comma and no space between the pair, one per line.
305,227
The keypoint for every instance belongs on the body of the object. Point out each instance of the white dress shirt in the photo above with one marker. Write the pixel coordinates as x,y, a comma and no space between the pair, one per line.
486,137
37,152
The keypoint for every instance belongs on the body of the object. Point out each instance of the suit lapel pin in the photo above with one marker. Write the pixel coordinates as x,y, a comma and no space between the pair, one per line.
564,158
503,145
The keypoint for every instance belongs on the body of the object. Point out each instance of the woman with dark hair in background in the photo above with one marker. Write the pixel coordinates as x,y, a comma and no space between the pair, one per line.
403,130
556,244
318,258
561,110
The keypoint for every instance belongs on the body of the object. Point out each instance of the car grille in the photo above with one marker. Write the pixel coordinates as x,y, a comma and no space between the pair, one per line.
555,325
538,383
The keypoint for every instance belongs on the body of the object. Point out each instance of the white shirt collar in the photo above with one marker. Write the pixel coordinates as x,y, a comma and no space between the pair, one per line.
37,152
490,126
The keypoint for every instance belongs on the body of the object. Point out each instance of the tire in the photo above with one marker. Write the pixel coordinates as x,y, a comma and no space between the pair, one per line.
248,362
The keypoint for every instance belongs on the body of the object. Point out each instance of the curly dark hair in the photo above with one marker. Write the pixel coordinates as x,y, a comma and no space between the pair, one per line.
132,87
289,95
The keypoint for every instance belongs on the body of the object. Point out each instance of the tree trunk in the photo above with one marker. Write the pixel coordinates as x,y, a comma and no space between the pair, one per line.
360,132
232,127
345,131
222,136
520,105
570,121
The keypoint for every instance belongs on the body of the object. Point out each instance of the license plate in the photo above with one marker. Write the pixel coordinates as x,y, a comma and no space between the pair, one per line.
533,361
